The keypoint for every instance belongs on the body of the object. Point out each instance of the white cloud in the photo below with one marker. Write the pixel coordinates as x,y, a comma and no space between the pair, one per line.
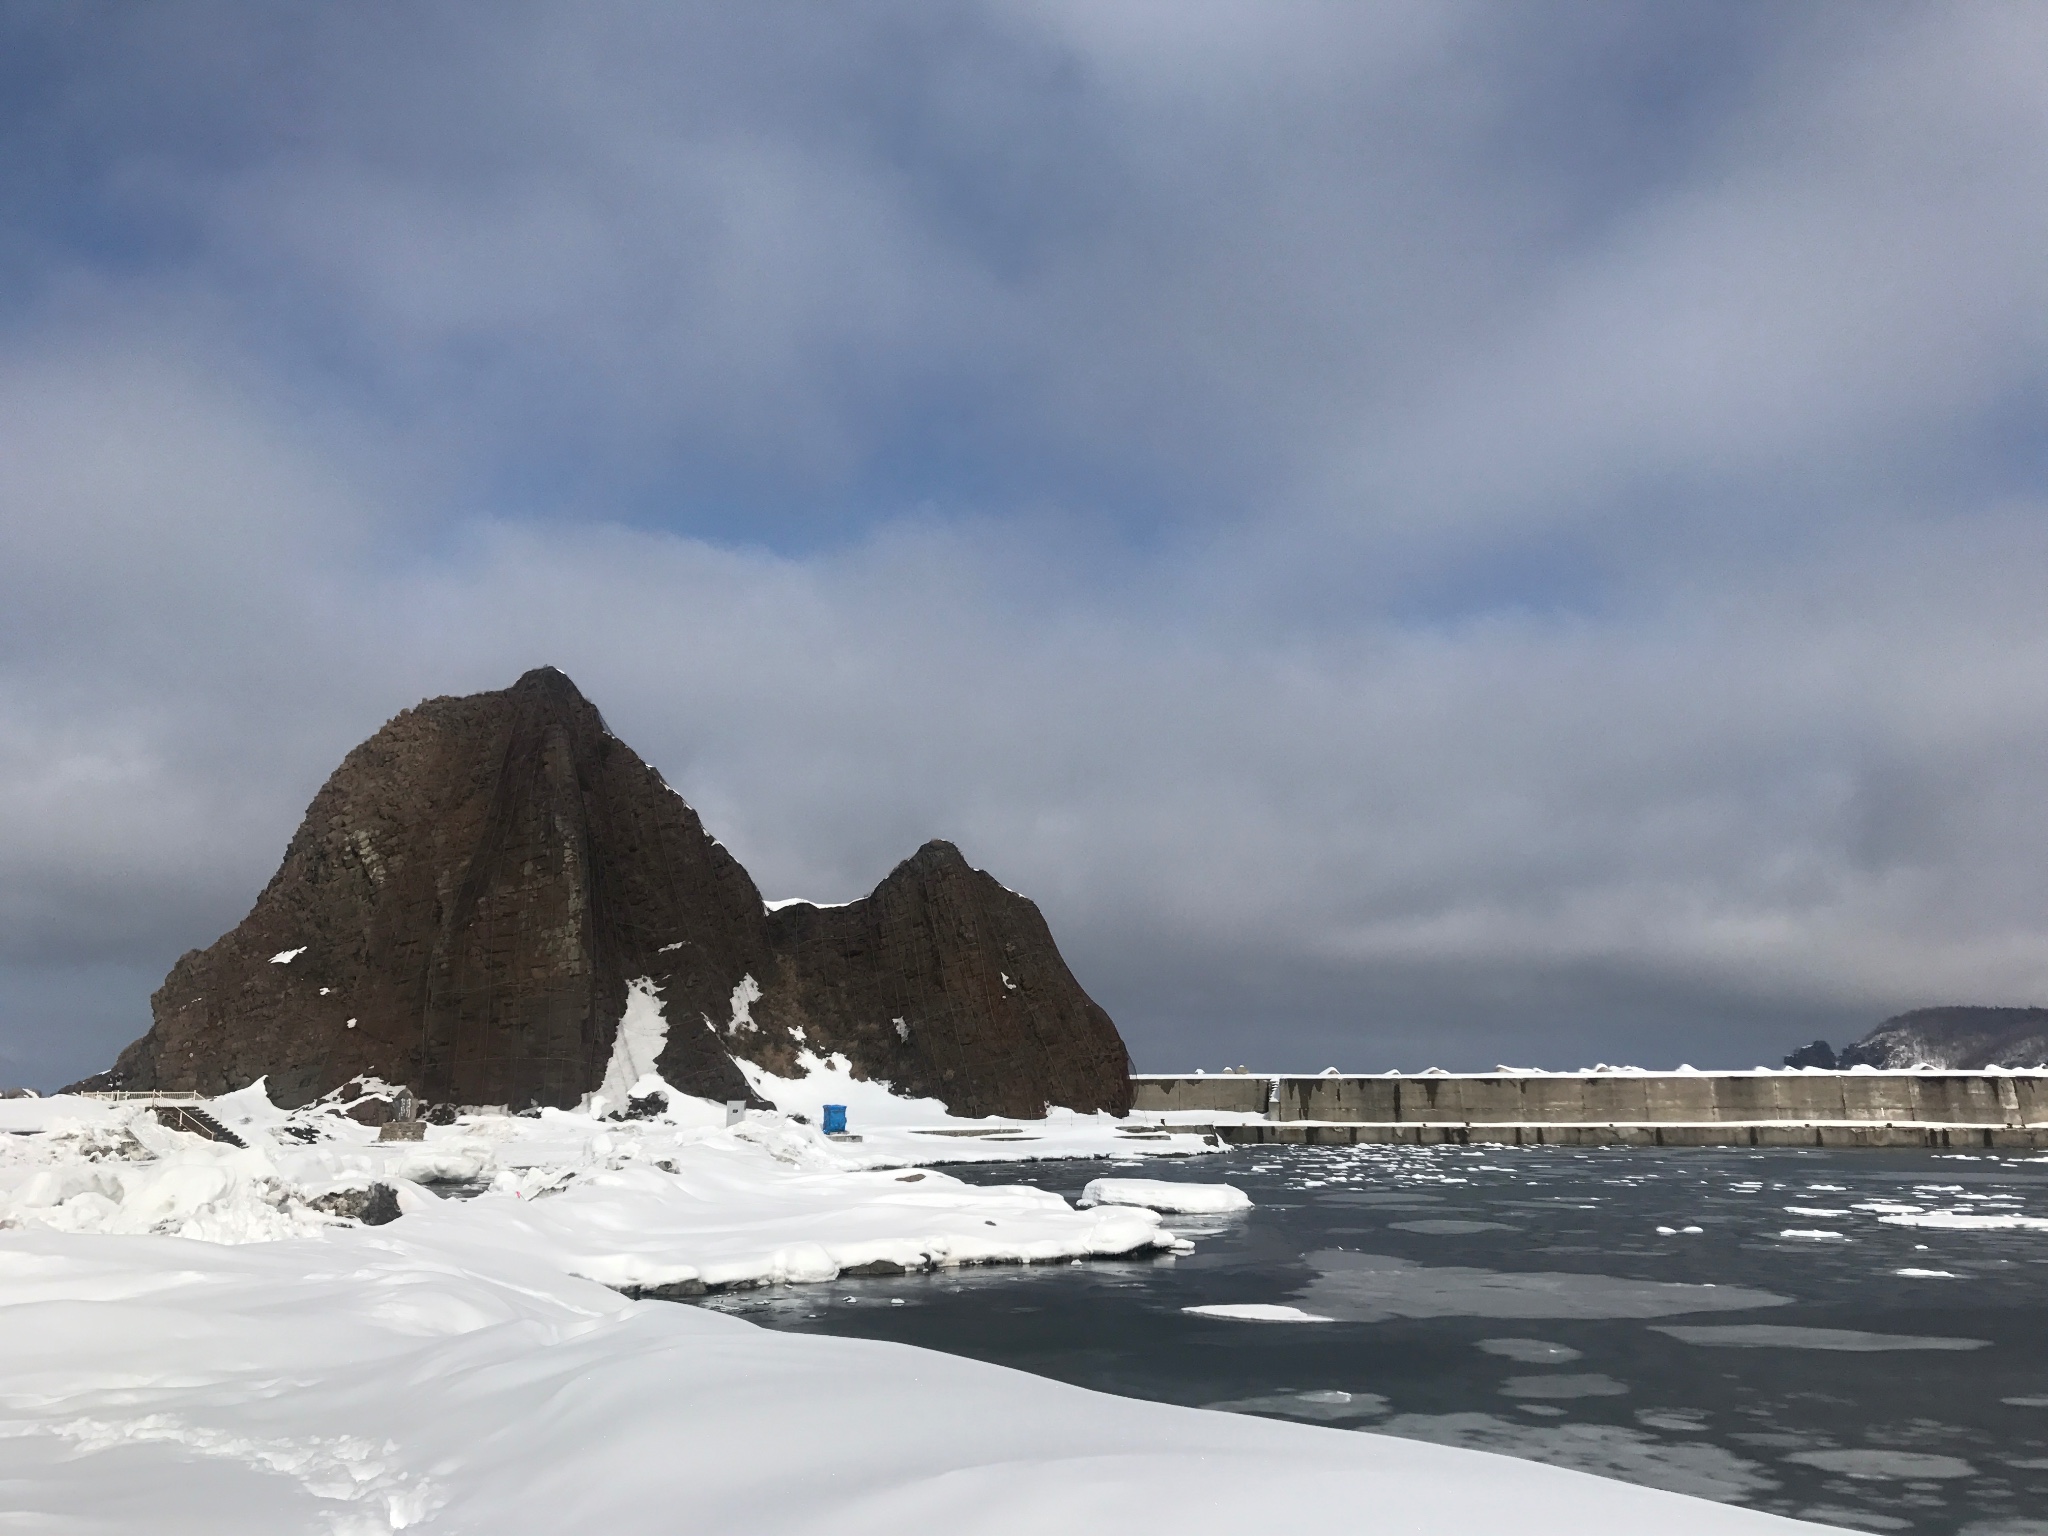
660,349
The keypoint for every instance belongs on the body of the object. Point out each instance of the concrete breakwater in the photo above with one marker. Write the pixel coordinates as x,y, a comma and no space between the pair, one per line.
1858,1108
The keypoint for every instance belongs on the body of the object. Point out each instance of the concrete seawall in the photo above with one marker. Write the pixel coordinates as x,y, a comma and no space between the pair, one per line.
1876,1109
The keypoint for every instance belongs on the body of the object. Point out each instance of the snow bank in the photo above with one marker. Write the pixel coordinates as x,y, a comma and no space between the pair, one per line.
894,1130
674,1204
1160,1195
830,1080
435,1388
19,1116
196,1341
725,1211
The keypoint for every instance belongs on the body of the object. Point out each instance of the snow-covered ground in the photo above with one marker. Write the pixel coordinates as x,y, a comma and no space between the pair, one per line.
676,1203
359,1381
195,1341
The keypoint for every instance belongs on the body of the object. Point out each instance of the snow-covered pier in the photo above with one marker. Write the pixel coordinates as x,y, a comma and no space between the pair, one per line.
1858,1108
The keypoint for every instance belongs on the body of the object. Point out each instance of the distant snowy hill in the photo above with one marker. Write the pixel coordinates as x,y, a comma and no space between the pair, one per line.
1962,1038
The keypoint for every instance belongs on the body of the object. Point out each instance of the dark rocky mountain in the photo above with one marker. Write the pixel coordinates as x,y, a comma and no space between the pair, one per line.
473,890
1960,1038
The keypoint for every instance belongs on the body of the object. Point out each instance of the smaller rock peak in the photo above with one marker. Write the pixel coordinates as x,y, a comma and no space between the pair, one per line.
550,691
938,863
936,860
547,680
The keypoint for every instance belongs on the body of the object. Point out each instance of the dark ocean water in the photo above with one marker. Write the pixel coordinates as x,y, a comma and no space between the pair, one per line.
1524,1301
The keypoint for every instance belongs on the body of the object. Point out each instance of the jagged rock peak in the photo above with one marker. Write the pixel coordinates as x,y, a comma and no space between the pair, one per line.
553,685
478,887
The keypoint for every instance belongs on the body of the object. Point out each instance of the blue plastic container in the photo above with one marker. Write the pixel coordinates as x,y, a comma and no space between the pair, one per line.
835,1119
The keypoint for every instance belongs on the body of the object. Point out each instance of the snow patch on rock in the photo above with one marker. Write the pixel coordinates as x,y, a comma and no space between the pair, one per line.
744,996
642,1032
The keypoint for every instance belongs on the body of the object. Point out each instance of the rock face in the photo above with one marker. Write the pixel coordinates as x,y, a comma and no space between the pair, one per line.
477,888
1962,1039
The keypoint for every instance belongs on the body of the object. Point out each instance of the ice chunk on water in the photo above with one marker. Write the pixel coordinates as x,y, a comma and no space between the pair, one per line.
1774,1336
1589,1385
1530,1351
1689,1421
1607,1450
1904,1466
1174,1198
1967,1221
1370,1288
1257,1312
1870,1520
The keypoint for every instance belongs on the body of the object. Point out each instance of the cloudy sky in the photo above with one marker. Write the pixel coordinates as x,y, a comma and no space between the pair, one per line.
1421,534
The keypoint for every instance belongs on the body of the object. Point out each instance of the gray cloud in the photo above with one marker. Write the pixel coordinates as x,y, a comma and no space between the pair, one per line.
1418,536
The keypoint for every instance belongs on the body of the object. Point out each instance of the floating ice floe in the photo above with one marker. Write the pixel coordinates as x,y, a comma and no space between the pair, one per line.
1787,1336
1607,1450
1902,1466
1256,1312
1530,1351
1172,1198
1967,1221
1371,1288
1563,1386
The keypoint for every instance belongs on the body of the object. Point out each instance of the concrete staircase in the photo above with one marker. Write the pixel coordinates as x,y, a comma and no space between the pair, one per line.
191,1118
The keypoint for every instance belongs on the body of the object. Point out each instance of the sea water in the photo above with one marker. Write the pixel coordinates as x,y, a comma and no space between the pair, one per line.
1857,1338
